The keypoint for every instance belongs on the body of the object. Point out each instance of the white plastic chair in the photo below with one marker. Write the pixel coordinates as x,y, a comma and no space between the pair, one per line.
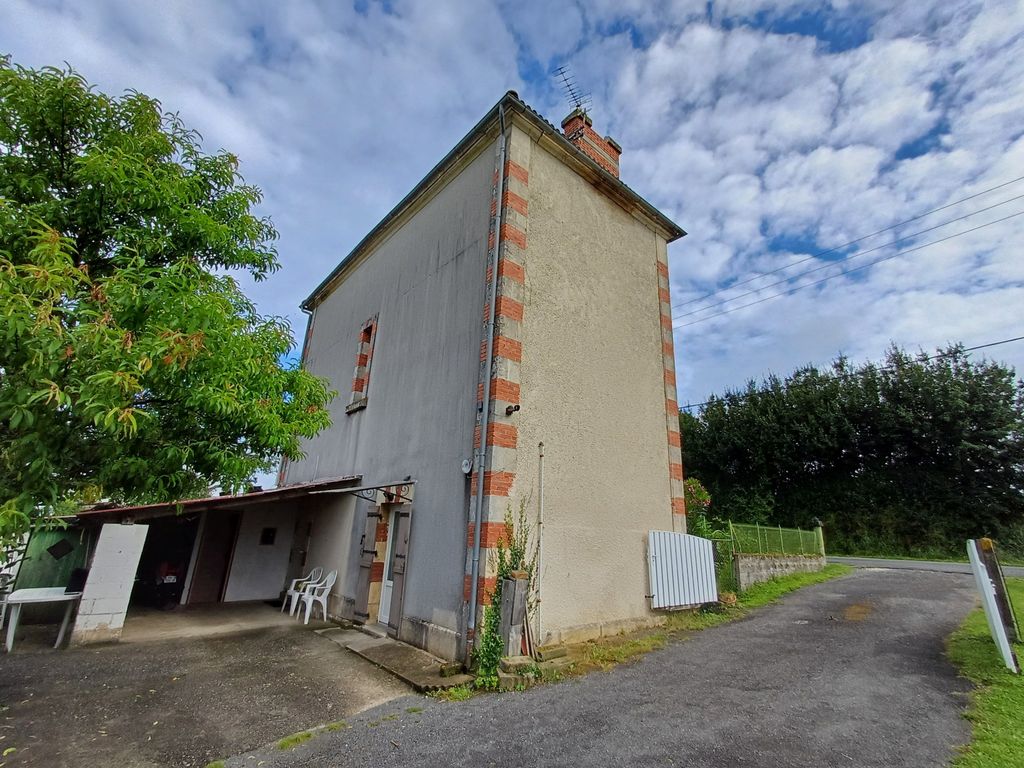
317,593
298,586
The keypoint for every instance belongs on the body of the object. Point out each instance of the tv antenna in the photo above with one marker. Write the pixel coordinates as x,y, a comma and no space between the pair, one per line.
577,97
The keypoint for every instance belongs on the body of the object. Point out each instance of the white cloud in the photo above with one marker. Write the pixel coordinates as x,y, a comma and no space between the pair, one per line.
767,141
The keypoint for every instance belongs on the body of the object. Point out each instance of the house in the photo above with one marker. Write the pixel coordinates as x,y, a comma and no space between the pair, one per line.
534,223
502,340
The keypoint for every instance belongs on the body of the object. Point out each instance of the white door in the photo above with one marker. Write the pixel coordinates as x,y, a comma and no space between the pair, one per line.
384,611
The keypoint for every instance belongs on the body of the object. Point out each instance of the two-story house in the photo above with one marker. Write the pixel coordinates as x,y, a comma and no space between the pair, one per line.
519,294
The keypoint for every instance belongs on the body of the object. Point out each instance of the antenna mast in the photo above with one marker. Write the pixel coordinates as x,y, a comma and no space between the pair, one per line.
577,98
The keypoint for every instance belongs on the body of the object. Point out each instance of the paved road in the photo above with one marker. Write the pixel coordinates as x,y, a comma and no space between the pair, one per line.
848,673
918,565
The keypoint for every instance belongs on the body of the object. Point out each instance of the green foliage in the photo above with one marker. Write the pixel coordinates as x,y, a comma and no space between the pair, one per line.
457,693
915,455
996,710
295,739
133,366
517,552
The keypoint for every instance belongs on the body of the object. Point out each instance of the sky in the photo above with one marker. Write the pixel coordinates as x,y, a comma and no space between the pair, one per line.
774,132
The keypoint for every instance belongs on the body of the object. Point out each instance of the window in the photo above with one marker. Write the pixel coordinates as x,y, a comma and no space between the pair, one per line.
364,357
268,536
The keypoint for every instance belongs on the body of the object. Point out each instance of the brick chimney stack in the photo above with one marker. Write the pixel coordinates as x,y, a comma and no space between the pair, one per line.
605,152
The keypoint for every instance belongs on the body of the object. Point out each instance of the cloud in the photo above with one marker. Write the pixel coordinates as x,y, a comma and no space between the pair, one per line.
770,129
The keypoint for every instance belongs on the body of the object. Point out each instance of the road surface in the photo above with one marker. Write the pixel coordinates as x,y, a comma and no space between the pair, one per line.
918,565
847,673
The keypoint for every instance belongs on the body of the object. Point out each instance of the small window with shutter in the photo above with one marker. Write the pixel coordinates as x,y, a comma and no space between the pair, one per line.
364,358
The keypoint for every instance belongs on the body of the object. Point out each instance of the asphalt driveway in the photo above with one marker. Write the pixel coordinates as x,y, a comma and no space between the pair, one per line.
176,703
847,673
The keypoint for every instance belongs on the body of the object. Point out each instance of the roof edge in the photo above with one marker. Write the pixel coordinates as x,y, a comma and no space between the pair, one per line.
510,101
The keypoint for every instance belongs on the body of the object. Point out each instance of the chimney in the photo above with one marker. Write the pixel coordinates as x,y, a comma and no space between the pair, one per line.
605,152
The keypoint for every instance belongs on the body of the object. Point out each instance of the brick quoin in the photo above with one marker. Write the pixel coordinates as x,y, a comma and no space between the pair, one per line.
515,171
670,376
675,471
667,349
490,533
666,322
678,506
518,204
495,483
513,235
510,308
381,534
511,270
500,435
362,359
508,348
664,295
358,385
501,389
485,586
376,571
675,440
672,407
663,269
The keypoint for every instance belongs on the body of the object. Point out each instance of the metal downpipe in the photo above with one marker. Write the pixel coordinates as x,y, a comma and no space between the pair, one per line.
481,452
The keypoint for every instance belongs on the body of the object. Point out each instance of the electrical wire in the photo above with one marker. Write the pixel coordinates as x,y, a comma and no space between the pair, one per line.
856,255
847,271
848,244
688,406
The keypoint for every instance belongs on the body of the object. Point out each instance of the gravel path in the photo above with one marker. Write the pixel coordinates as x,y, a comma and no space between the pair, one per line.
182,703
847,673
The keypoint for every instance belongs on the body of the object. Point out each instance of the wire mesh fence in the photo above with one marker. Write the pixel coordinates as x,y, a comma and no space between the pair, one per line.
725,568
773,540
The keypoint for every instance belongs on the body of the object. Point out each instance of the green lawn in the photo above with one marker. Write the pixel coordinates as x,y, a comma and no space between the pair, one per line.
996,710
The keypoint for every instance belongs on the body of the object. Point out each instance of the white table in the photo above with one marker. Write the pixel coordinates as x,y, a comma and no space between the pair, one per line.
22,597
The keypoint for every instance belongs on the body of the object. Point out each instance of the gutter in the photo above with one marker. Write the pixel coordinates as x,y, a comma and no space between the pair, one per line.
480,461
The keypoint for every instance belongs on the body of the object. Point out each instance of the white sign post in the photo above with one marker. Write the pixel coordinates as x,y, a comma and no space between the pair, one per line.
988,600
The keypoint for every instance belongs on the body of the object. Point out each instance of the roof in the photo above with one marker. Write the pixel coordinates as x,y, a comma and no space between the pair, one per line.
605,182
106,512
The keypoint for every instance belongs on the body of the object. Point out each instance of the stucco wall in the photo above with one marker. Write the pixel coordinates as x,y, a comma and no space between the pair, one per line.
258,570
425,283
593,392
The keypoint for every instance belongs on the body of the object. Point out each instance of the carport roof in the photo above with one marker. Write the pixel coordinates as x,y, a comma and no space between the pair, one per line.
110,512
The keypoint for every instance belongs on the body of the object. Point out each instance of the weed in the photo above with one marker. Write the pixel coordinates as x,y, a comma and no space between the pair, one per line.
458,693
414,710
337,726
295,739
216,764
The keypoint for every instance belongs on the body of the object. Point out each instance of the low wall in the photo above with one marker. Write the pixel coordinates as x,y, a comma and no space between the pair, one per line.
751,569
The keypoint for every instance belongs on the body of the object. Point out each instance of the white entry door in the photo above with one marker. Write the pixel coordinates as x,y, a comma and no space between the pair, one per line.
384,611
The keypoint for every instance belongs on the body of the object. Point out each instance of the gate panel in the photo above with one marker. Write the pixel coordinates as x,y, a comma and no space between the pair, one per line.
400,560
681,568
367,553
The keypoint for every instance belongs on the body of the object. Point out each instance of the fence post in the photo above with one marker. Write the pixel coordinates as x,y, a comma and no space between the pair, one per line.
757,529
821,540
732,536
782,543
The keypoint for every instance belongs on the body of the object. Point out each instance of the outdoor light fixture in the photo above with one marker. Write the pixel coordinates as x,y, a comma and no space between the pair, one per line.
511,409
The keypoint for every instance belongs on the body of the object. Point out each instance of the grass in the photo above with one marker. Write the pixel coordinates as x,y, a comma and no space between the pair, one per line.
216,764
608,652
295,739
996,710
458,693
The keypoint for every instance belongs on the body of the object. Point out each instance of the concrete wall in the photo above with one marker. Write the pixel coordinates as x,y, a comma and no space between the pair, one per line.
257,570
592,376
425,284
108,589
751,569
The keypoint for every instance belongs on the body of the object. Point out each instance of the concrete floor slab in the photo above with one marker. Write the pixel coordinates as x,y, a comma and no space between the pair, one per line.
195,621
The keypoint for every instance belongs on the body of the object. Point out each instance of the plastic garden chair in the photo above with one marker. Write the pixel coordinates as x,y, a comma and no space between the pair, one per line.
298,586
317,593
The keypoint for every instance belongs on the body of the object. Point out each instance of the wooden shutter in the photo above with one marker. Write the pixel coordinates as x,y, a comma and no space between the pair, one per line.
367,552
400,559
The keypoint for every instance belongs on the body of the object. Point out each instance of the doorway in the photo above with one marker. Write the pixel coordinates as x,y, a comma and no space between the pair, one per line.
214,560
388,584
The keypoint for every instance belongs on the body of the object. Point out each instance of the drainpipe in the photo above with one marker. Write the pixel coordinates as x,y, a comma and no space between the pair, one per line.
481,452
540,535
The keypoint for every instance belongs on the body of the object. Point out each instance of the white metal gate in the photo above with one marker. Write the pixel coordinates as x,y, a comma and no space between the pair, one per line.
681,569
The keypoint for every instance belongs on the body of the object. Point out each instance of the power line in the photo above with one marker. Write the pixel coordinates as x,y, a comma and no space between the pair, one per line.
846,271
890,367
856,255
848,244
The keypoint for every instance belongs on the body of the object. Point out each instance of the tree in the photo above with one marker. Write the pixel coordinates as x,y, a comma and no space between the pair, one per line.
915,455
132,366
